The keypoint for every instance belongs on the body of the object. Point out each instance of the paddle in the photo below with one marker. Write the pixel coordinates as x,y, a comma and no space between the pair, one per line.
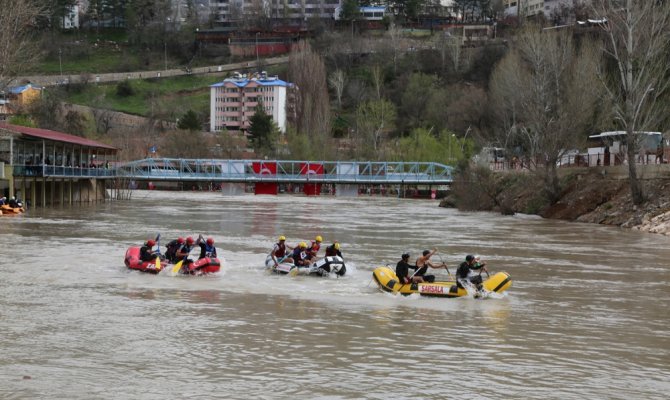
158,244
177,266
445,266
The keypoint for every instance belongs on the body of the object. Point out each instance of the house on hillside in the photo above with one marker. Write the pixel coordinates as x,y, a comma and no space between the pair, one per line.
18,97
233,102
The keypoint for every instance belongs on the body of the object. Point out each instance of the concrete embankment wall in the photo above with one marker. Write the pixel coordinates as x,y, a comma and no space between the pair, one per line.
40,192
644,171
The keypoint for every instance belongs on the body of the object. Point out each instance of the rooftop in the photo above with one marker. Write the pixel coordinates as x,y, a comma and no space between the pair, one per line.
54,136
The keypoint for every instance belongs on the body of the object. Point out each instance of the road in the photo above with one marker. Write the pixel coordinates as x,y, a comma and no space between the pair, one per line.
53,80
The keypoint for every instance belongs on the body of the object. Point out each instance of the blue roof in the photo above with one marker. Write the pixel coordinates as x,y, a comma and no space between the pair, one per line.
245,82
21,89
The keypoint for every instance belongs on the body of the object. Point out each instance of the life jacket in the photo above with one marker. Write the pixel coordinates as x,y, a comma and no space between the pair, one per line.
314,247
210,251
281,250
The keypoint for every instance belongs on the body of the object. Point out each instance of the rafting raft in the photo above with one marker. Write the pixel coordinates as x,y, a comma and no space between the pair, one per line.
388,281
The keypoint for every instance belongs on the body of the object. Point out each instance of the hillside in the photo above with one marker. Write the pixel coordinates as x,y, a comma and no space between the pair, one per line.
590,195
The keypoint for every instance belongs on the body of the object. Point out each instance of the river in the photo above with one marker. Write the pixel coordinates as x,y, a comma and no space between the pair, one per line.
587,315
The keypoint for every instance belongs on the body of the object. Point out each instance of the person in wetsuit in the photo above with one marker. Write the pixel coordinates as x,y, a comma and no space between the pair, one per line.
333,250
402,270
171,249
465,274
147,253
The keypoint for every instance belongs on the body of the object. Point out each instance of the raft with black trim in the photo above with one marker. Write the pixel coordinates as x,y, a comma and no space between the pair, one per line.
388,281
322,267
132,261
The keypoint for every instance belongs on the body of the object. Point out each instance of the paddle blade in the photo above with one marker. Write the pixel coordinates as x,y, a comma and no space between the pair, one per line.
177,267
158,263
294,271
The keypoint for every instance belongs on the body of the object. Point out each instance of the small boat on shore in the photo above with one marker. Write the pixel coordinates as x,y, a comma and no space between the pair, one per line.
132,261
388,281
322,267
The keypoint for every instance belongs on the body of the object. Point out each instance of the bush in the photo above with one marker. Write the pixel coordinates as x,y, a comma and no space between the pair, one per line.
124,89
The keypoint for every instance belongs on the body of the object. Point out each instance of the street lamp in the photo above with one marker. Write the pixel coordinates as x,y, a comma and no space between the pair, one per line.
60,62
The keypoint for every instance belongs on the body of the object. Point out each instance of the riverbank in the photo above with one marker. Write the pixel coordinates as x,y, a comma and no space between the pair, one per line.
591,195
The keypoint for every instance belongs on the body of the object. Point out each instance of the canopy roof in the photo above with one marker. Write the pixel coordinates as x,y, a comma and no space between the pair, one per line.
55,136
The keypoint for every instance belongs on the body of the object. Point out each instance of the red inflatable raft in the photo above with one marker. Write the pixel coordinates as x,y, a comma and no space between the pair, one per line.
133,261
200,267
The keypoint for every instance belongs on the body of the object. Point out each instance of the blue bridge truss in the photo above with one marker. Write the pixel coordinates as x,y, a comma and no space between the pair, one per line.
282,171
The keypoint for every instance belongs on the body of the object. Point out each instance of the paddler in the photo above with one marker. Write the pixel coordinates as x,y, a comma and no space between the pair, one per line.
147,253
279,253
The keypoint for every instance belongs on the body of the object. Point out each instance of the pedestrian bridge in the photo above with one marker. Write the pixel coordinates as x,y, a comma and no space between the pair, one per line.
282,171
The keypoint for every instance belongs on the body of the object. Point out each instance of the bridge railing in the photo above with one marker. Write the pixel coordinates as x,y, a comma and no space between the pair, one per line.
62,172
288,171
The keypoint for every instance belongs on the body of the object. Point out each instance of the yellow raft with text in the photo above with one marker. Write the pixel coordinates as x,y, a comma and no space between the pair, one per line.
388,282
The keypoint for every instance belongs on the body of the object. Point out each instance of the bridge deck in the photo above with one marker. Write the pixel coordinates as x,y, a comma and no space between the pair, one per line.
257,171
280,171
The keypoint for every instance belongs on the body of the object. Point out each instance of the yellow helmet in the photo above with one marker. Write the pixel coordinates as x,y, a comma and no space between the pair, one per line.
303,245
337,246
318,238
282,237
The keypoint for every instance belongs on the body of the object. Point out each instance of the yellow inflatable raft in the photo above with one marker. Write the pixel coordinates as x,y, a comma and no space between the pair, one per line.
388,282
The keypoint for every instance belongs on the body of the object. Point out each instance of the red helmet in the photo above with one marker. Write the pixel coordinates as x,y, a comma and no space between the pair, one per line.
210,241
180,240
189,241
151,243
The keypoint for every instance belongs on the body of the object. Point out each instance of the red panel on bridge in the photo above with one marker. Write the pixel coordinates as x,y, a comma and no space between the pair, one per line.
311,189
265,168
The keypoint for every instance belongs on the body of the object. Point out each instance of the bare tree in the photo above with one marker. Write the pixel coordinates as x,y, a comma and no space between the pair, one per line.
18,48
337,80
308,72
545,91
377,80
637,35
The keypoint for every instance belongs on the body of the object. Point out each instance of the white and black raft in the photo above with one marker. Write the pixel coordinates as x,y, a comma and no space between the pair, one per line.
323,267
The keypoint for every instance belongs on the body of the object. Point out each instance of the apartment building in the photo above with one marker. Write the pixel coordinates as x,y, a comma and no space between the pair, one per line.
523,8
233,102
292,11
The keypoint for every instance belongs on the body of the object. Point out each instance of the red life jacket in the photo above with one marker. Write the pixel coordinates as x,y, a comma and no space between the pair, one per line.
314,247
281,250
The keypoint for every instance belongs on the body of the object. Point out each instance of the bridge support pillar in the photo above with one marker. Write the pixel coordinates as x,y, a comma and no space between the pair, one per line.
265,168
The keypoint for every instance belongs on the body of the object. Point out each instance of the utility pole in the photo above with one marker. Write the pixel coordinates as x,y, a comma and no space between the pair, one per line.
60,62
258,60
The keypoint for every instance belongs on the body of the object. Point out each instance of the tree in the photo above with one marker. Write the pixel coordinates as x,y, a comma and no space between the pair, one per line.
374,119
637,48
312,106
263,131
545,95
336,81
190,121
18,47
415,98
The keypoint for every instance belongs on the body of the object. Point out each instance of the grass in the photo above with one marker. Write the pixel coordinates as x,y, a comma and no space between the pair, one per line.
168,98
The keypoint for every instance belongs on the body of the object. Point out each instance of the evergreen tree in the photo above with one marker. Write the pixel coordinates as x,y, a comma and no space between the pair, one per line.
190,121
263,132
